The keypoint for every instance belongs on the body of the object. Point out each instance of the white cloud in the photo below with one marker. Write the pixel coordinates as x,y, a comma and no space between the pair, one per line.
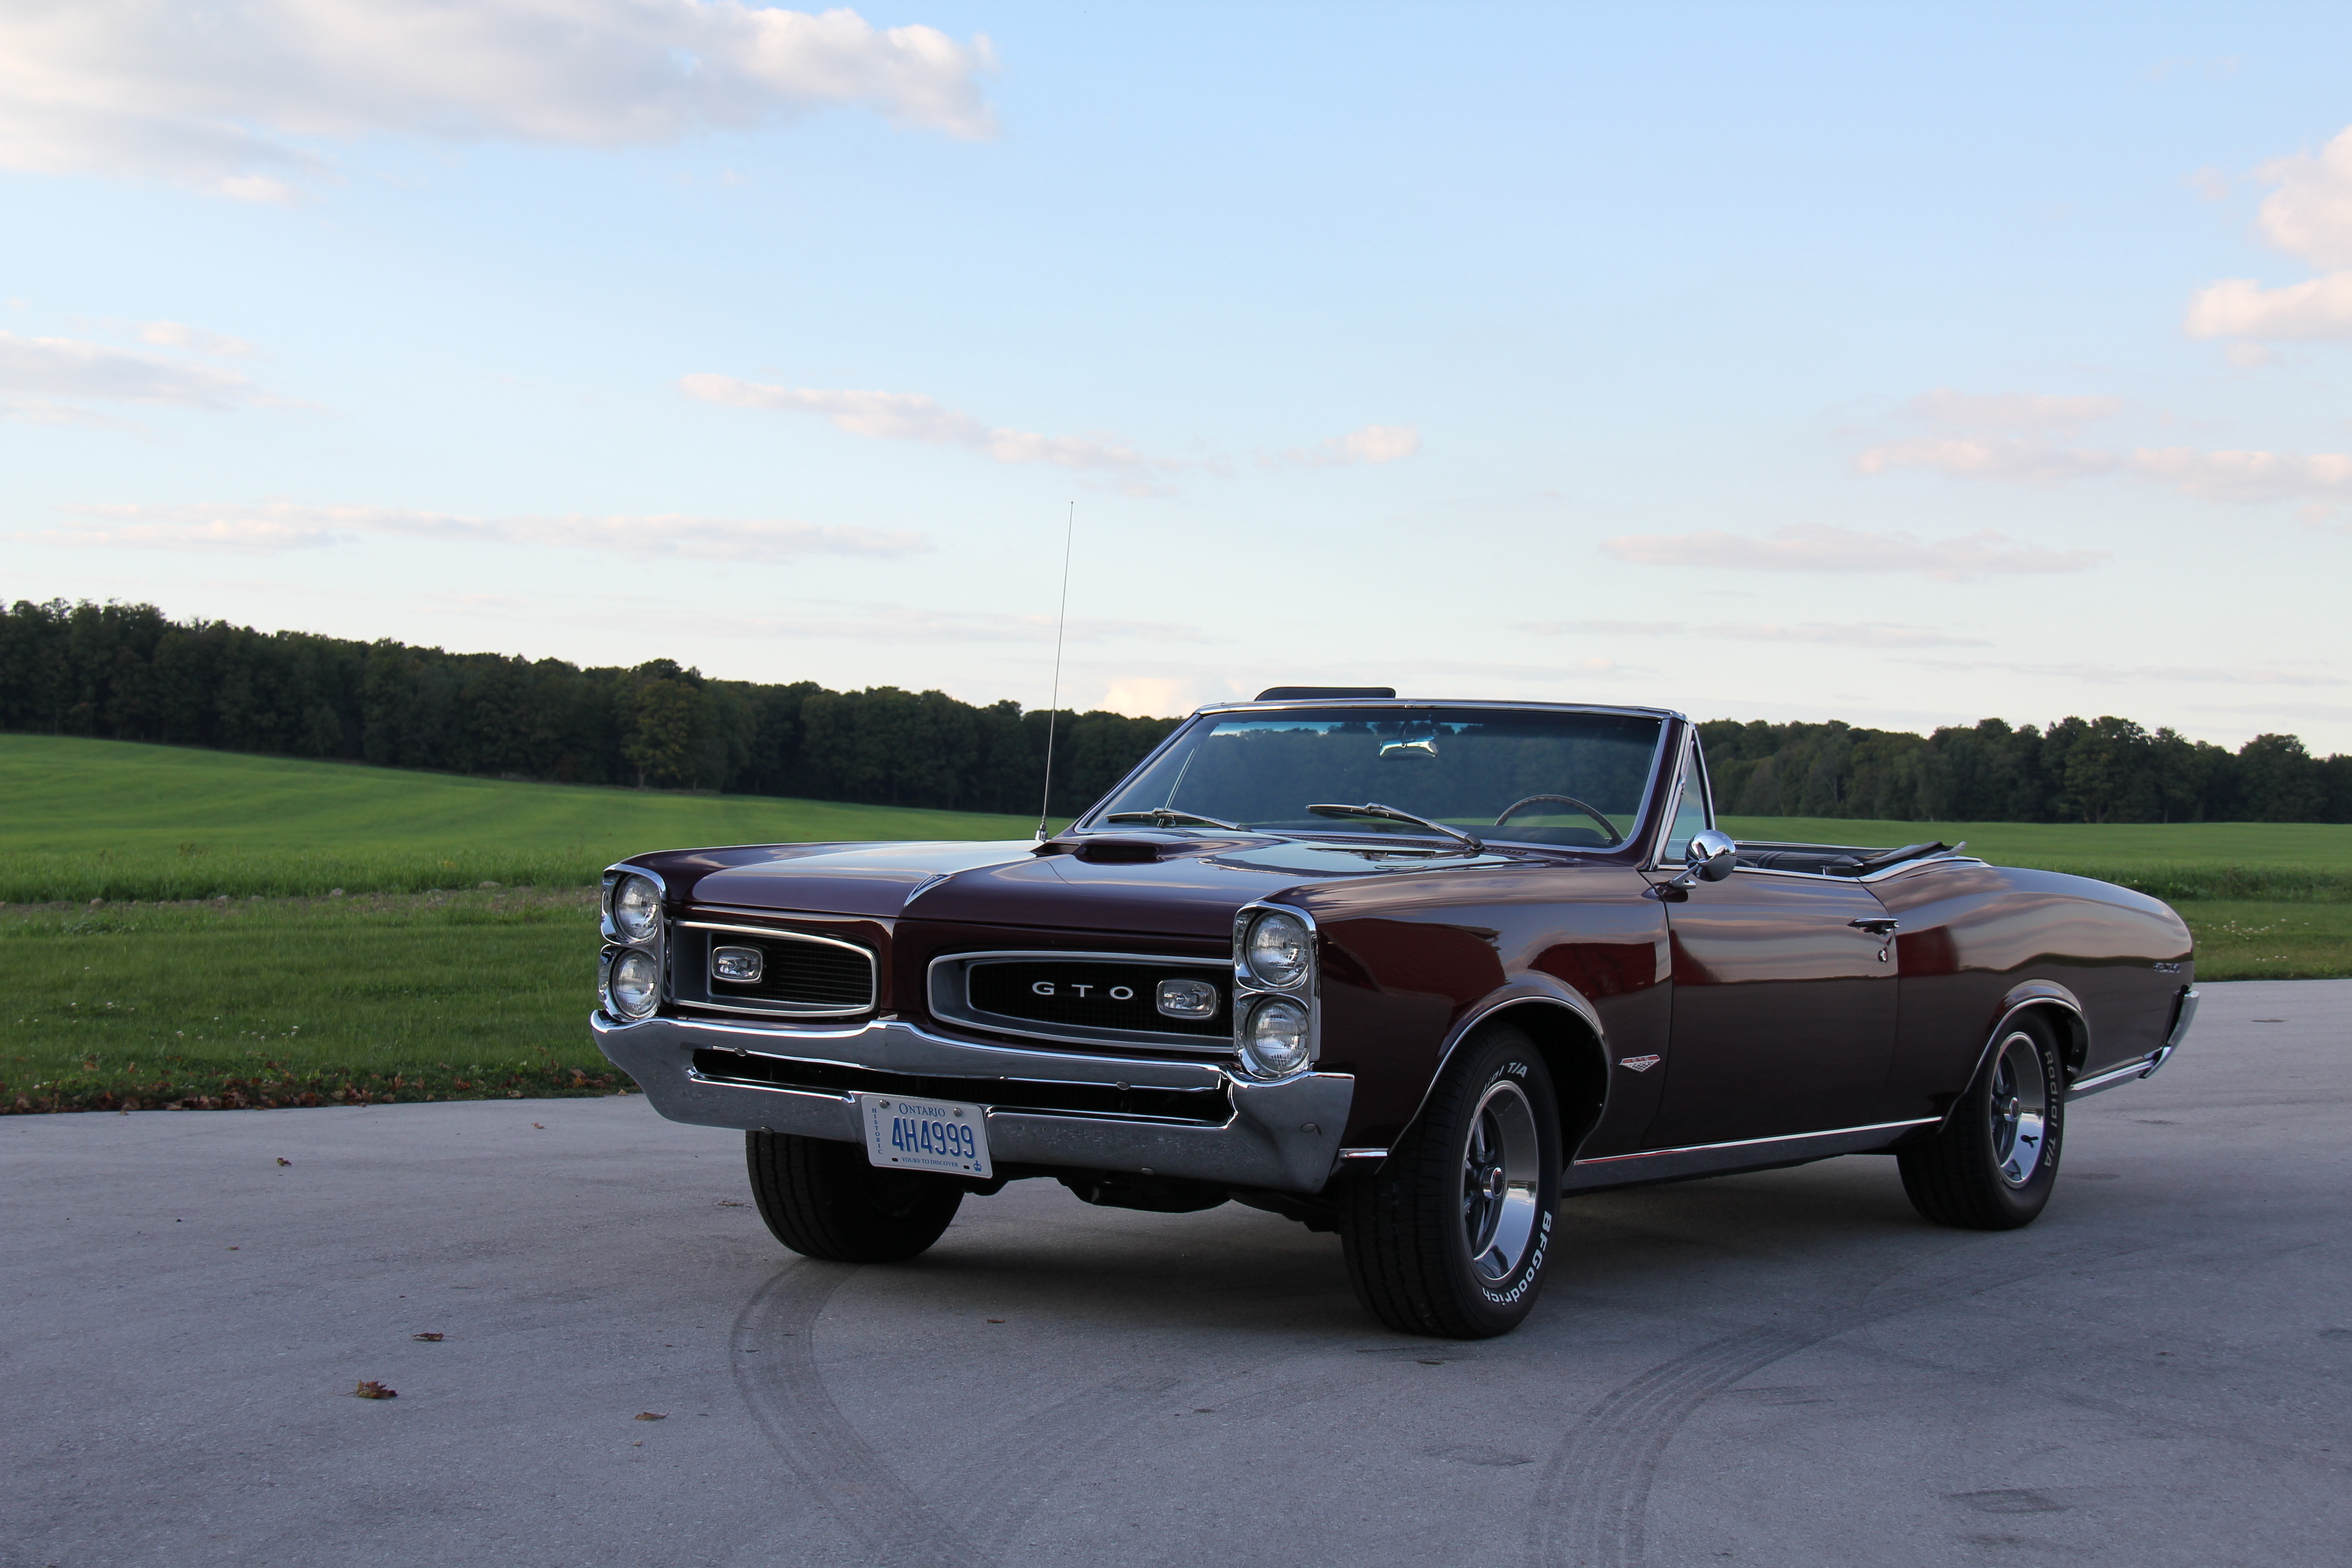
1868,635
2022,459
224,98
2309,216
2108,674
2010,410
36,373
2220,475
195,340
1819,547
274,526
913,416
1372,444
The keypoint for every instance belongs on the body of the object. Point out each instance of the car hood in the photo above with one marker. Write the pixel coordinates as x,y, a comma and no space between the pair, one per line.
1176,885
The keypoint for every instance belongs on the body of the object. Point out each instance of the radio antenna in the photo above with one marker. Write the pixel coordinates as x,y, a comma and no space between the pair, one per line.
1053,710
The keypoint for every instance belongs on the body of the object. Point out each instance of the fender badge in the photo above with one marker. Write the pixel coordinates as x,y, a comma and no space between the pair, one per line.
1639,1064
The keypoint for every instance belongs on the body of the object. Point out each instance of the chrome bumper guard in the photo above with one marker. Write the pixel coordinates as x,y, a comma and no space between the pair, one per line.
1283,1136
2143,1067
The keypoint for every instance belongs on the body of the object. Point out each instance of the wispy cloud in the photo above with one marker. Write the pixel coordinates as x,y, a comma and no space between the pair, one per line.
2113,674
230,98
43,378
273,526
1819,547
2010,410
1867,634
2219,476
2309,216
915,417
195,340
1372,444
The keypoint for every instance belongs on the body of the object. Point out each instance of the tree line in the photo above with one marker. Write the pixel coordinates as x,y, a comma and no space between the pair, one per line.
129,672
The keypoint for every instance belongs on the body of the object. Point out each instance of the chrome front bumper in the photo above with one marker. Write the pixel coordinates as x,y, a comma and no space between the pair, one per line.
1284,1135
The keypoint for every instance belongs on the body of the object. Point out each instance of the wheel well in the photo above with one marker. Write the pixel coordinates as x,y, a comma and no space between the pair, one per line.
2074,1035
1573,1055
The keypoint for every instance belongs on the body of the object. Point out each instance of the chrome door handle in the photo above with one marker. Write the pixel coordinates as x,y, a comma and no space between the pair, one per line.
1876,925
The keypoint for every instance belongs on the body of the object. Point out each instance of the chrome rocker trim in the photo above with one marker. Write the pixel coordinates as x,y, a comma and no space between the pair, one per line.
1283,1135
1742,1154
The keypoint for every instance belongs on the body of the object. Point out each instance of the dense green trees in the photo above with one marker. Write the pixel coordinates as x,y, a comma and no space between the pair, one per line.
2079,770
125,672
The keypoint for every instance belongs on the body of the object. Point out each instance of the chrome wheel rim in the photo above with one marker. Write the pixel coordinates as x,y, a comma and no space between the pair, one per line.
2021,1109
1501,1166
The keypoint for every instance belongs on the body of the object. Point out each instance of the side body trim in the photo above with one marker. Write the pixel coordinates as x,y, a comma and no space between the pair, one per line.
1745,1154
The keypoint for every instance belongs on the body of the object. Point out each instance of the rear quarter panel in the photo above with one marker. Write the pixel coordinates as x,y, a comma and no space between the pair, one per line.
1976,939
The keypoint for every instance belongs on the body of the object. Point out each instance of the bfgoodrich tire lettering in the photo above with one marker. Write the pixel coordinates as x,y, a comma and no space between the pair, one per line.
1452,1238
824,1199
1993,1163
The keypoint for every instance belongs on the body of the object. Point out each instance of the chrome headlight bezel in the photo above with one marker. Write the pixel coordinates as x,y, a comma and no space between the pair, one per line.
1283,1018
1254,990
647,940
1269,935
618,966
634,905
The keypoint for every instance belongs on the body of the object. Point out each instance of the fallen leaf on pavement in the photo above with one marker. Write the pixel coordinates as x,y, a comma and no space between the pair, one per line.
371,1389
429,1339
540,1125
648,1415
284,1160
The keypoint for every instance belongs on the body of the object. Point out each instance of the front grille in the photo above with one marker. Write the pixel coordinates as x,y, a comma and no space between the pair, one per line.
1206,1106
807,975
1093,993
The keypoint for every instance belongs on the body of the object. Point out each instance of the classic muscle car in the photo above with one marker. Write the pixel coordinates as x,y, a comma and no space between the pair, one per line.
1409,971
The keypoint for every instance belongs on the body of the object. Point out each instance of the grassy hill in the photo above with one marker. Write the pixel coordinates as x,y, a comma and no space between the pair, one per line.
109,819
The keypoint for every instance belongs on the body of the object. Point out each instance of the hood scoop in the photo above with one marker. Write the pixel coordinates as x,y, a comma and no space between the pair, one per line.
1103,850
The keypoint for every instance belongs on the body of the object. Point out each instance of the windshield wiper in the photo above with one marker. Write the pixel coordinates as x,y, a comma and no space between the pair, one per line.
1379,813
1169,816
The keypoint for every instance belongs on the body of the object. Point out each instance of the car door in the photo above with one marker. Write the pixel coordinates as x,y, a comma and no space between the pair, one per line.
1783,1000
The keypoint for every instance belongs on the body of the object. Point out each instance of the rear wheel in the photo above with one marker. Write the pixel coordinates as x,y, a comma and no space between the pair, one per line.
824,1199
1993,1164
1451,1237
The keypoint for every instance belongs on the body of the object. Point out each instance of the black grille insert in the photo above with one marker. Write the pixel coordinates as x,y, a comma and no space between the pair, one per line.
1206,1106
796,975
1093,993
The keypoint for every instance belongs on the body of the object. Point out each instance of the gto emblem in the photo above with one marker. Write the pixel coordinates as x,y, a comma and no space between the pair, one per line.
1639,1064
1050,988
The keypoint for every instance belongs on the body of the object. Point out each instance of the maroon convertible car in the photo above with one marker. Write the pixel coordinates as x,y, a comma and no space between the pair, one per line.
1406,971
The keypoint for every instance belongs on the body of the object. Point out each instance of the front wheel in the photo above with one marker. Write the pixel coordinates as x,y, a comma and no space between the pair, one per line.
1993,1163
1450,1238
824,1199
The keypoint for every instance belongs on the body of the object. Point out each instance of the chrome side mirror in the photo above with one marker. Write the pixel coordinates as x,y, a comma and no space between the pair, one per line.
1712,856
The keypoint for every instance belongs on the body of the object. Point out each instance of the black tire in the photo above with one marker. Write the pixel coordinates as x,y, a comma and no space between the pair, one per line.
1990,1167
1412,1232
824,1199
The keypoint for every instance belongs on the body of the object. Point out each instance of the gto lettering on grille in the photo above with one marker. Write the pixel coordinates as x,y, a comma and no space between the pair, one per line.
1049,988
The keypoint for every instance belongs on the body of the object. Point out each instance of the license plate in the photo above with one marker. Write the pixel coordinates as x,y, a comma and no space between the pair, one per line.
903,1134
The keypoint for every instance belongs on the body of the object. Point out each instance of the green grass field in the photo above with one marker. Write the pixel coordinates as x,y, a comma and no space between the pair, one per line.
108,819
276,994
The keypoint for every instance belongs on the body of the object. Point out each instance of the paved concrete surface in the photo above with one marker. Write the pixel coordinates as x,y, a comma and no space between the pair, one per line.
1785,1368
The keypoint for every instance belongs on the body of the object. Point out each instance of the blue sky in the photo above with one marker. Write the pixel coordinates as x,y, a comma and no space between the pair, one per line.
1902,364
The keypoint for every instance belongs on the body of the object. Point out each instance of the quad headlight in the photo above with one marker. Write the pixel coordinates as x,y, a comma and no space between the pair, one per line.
1278,949
635,983
1275,991
1275,1041
636,908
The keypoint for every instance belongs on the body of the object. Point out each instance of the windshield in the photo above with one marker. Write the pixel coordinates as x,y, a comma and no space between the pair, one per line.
1532,777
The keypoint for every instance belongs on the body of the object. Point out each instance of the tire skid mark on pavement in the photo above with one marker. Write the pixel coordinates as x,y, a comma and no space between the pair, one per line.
1590,1508
774,1356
